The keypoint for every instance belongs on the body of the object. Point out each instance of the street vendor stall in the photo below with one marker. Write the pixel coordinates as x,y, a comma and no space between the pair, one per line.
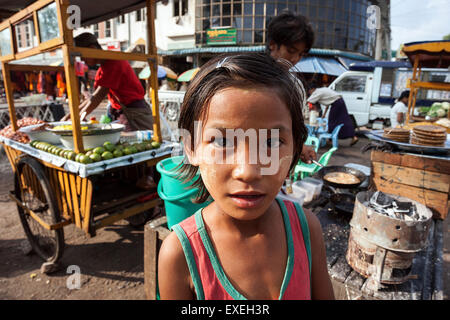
428,54
56,184
401,248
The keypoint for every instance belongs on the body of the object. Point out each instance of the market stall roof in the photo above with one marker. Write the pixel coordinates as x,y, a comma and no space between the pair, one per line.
371,65
432,54
91,11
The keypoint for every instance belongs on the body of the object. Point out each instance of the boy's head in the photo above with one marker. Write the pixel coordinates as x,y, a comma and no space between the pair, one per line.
404,96
88,40
289,36
247,72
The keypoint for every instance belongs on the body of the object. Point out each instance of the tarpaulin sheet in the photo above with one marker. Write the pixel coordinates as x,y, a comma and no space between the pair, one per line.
319,65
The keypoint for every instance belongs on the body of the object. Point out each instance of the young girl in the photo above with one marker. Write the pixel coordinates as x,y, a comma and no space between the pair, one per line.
246,244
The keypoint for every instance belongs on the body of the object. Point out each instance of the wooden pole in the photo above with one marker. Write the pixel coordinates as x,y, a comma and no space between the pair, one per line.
151,50
411,103
36,27
71,79
9,95
74,99
150,261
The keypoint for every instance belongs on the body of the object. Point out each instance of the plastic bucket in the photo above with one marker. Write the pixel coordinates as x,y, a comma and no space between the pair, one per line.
176,194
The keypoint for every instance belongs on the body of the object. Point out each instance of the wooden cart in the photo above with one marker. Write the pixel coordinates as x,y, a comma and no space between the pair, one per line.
429,54
49,194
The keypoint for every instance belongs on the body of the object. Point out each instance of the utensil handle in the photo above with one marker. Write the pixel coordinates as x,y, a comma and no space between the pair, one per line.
318,163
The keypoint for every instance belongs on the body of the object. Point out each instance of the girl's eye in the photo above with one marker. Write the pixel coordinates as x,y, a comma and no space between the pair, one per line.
222,142
273,142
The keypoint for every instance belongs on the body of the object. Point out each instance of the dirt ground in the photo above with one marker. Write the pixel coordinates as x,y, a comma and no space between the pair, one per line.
111,263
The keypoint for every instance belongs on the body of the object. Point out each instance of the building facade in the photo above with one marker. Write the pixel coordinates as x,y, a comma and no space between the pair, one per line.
338,24
183,28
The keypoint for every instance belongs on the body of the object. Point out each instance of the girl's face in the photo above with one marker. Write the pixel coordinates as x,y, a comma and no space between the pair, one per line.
242,163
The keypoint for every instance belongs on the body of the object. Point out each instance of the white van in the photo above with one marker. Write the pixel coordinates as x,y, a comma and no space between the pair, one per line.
369,89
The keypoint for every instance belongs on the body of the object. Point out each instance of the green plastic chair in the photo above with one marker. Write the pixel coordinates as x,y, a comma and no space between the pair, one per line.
307,170
313,141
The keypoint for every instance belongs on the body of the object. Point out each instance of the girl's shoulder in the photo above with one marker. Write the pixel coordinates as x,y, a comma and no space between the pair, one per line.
312,221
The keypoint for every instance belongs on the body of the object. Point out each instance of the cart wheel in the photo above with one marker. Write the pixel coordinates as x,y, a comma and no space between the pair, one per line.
33,189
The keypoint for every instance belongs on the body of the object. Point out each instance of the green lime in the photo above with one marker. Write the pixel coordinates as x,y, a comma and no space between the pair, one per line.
148,146
78,157
139,147
117,153
107,143
89,153
61,153
156,145
85,159
71,155
109,147
99,150
107,155
133,149
95,157
33,143
127,151
82,158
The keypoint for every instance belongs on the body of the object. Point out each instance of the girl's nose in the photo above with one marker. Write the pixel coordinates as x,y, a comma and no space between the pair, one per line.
246,172
246,168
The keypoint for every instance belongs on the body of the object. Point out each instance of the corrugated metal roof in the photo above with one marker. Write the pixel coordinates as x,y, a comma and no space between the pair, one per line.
231,49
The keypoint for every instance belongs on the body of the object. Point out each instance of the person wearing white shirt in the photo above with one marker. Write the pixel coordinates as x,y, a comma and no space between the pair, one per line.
338,111
398,111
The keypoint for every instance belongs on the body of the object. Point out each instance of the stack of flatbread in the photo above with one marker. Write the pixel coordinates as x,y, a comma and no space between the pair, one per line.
429,135
397,134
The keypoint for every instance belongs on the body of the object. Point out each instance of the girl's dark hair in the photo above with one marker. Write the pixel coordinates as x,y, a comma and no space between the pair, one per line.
288,29
246,70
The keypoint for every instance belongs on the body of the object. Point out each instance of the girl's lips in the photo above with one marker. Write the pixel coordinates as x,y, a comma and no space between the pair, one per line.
247,200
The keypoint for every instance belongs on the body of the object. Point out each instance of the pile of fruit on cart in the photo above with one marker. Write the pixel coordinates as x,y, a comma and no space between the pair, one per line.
105,152
18,136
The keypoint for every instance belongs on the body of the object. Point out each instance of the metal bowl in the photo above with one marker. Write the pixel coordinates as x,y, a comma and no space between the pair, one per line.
96,135
93,129
41,135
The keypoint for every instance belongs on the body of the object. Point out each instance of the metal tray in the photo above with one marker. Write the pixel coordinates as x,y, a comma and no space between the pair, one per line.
413,148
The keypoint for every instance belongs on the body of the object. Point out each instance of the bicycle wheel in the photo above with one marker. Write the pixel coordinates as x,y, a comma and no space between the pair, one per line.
32,188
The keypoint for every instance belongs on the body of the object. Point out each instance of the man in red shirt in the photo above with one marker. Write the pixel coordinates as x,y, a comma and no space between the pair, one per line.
117,80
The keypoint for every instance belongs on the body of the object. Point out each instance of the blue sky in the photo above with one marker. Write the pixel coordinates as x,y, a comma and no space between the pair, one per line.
418,20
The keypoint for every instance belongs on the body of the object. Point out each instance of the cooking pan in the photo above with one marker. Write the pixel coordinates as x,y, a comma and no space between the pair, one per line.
334,169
